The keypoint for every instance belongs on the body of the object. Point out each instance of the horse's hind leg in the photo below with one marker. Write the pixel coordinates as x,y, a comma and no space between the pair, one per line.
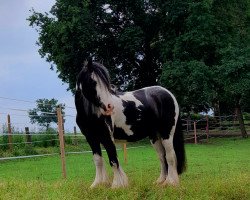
162,157
120,178
172,177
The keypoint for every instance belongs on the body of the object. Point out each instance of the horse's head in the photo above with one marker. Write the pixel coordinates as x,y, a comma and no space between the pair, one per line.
94,83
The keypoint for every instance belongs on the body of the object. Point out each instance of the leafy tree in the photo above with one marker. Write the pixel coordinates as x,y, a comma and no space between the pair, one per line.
233,69
216,36
125,35
190,58
198,49
45,112
190,83
234,72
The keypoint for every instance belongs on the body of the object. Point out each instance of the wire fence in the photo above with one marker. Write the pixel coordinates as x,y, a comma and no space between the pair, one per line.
212,127
20,139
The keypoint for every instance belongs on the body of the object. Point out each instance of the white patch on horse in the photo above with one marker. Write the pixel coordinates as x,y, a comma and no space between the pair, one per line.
110,131
172,177
161,155
80,86
101,174
102,90
119,118
128,96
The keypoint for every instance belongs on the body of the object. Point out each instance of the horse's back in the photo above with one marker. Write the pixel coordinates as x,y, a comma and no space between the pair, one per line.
163,107
156,97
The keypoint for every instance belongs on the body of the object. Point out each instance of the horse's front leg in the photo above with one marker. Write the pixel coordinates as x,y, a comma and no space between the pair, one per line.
101,176
120,178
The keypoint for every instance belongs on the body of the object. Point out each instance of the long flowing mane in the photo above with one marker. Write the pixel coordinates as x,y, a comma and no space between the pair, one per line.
102,73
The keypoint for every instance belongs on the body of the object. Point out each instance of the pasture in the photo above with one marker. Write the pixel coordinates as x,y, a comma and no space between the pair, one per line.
217,170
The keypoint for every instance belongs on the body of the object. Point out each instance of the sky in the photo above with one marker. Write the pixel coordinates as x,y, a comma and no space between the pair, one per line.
24,75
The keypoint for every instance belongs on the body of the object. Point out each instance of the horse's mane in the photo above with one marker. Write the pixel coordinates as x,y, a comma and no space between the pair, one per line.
102,73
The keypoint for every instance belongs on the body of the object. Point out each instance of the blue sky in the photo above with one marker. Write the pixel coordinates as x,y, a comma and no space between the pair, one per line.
24,74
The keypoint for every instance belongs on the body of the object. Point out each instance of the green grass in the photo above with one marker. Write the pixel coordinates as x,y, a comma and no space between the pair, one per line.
218,170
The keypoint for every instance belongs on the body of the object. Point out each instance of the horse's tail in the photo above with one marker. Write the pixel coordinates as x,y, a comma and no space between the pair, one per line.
179,147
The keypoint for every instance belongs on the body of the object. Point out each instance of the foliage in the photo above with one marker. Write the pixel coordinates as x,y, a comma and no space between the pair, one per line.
216,35
190,83
125,35
40,140
45,112
197,49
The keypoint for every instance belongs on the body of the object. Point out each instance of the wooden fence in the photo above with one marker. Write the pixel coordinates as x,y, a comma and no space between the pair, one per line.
195,130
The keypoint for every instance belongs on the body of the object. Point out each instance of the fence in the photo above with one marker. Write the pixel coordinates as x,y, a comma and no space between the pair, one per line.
206,127
27,137
16,136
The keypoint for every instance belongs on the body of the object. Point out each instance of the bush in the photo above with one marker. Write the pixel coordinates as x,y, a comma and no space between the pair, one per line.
246,116
47,139
29,150
4,142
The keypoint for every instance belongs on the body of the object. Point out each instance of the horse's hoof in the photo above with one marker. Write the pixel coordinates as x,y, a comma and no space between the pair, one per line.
169,182
94,185
159,181
119,186
105,184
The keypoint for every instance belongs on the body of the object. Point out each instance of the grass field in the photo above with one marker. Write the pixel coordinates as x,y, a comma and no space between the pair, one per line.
217,170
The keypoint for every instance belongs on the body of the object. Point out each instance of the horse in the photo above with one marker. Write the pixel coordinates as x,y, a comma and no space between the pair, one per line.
105,115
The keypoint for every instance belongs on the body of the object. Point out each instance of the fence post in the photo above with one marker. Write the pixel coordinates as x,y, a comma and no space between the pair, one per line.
61,139
207,128
28,136
9,133
195,133
125,153
75,138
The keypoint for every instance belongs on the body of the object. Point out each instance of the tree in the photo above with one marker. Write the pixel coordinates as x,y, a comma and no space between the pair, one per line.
125,35
233,70
190,57
144,41
214,42
189,81
235,73
45,112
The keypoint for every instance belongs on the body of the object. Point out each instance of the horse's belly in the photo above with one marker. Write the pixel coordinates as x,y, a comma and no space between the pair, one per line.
130,133
120,135
125,128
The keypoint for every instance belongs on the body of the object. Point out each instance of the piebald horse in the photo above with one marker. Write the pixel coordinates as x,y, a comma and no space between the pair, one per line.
105,115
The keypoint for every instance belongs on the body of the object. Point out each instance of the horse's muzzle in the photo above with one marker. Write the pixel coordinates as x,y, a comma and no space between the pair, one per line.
108,111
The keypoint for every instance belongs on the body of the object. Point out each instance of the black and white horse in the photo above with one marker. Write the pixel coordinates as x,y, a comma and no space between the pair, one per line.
105,115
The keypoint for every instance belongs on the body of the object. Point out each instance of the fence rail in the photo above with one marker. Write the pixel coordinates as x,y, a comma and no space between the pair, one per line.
195,131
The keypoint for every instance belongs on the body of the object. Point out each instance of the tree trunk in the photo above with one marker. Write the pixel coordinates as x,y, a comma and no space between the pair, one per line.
241,121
